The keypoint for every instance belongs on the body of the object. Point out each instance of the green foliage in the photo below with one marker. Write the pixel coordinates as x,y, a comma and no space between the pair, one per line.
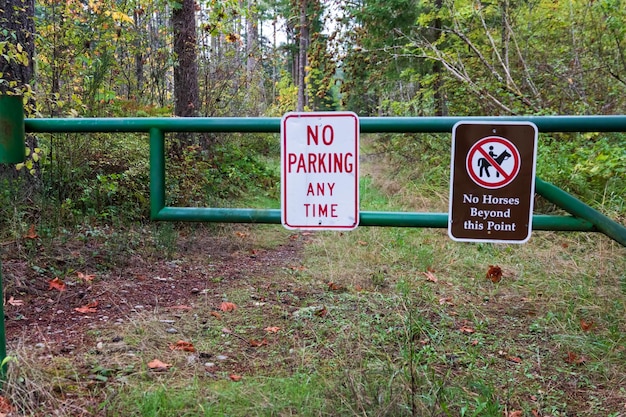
103,177
591,166
236,172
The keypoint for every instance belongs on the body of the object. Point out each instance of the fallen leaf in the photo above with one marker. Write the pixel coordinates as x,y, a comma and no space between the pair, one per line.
89,308
494,273
226,306
56,284
226,330
362,243
335,287
258,343
273,329
242,235
12,301
321,312
216,314
513,359
586,325
516,413
184,346
85,277
573,359
474,342
467,330
158,366
31,234
298,268
235,377
430,276
446,301
5,406
535,413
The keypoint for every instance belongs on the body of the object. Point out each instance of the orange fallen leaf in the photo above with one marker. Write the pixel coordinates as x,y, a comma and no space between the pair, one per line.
362,243
535,413
226,306
56,284
258,343
430,276
158,366
235,377
184,346
85,277
467,330
446,301
12,301
513,359
494,273
242,235
573,359
335,287
5,406
273,329
586,325
216,314
89,308
298,268
516,413
31,234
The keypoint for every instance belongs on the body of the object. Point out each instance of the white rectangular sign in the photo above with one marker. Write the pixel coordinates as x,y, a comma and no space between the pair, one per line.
319,171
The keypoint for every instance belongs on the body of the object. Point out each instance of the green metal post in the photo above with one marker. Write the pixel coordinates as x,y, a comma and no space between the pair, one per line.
12,132
12,151
157,172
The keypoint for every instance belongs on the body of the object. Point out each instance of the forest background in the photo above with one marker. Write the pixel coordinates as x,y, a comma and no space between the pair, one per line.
264,58
379,321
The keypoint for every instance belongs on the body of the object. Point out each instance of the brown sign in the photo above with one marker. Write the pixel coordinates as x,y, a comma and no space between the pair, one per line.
492,181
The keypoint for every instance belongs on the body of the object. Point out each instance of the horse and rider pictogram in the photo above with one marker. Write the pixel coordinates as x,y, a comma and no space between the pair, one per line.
493,162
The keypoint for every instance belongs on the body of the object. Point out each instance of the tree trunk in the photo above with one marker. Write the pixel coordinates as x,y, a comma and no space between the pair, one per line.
304,34
186,90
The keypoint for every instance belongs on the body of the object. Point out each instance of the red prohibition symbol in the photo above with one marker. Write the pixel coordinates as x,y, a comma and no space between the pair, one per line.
493,162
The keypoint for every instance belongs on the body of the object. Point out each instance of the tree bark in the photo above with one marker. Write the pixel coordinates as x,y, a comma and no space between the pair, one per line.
16,18
186,90
302,55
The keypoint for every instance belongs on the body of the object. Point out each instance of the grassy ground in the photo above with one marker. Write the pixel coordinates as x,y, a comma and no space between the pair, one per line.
374,322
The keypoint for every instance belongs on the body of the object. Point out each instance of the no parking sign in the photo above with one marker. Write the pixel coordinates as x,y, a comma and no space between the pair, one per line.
492,181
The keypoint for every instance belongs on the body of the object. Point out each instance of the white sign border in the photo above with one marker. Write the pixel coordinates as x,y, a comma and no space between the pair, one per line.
532,183
283,148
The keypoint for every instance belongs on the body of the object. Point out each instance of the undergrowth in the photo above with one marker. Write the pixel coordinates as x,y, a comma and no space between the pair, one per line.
373,322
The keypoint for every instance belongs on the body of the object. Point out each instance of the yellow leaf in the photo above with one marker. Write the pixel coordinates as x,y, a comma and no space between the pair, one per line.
27,151
19,166
20,48
35,157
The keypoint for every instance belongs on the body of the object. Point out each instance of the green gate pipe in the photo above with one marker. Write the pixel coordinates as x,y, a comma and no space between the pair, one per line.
272,124
367,218
576,207
157,172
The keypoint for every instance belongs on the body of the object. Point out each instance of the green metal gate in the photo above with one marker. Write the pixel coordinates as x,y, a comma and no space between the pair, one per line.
582,217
